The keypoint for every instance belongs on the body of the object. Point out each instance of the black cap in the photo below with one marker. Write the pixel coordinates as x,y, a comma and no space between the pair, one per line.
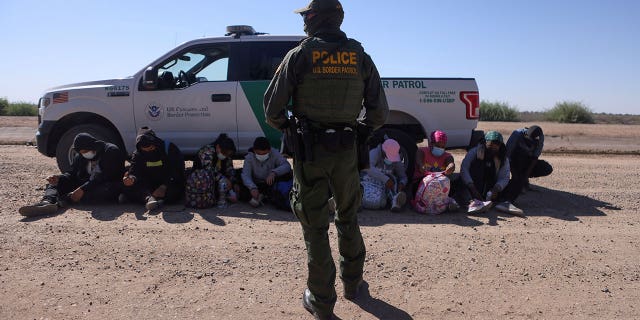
321,6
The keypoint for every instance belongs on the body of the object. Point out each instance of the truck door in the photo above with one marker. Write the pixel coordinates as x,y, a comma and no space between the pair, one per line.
193,101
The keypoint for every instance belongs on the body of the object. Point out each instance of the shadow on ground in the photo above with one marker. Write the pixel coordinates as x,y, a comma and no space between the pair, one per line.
539,202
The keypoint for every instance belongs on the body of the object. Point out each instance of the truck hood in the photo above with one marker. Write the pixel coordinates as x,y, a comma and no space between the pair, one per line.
94,84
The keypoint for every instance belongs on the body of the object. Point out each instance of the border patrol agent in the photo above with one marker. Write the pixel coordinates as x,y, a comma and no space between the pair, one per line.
329,78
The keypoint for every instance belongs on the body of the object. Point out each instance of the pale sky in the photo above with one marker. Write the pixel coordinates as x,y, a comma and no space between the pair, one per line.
530,54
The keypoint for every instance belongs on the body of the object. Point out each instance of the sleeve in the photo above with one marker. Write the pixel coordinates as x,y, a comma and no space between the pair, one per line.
513,141
374,171
112,166
538,151
282,165
400,173
503,175
280,90
134,169
247,172
375,100
465,167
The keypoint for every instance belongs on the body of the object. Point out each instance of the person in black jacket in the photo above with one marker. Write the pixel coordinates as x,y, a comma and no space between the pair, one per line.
156,174
95,176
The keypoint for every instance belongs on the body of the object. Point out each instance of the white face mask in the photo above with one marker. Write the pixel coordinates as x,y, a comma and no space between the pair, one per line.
89,155
262,157
221,156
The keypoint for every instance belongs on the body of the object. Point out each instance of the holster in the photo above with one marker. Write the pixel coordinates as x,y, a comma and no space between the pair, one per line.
298,139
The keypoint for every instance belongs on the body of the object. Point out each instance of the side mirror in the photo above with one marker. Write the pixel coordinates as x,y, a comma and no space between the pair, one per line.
150,79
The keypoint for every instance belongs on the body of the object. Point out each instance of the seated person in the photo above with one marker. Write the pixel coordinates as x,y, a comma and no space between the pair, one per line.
387,169
523,150
95,176
485,173
434,159
263,168
156,174
216,158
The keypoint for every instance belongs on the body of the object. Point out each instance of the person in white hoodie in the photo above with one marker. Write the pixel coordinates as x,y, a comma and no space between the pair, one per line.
263,168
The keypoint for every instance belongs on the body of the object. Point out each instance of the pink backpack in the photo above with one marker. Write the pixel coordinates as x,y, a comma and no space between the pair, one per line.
432,196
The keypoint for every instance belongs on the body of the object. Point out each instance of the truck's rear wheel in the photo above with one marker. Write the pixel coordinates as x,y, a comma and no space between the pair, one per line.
408,147
64,150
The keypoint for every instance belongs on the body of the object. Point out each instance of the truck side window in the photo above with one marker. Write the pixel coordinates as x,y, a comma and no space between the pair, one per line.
196,64
264,58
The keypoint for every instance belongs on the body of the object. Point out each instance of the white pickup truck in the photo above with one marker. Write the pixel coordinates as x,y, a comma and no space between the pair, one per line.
208,86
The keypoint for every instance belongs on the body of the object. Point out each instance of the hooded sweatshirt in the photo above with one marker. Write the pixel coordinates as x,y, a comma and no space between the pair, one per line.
106,166
257,171
157,167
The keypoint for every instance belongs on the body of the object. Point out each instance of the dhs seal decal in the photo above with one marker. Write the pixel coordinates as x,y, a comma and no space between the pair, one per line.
154,111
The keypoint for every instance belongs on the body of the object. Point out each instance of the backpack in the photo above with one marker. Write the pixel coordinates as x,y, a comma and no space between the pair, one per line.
374,195
280,195
207,156
432,196
200,189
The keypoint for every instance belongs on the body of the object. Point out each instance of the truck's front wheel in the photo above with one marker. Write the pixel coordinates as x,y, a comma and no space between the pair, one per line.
64,150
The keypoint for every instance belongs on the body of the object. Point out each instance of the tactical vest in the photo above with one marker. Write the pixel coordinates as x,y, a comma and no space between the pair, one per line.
332,86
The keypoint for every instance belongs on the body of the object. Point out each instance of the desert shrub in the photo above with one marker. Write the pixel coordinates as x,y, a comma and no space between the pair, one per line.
569,112
4,104
22,109
497,111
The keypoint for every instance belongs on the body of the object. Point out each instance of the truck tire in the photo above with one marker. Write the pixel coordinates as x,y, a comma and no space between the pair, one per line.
408,147
64,150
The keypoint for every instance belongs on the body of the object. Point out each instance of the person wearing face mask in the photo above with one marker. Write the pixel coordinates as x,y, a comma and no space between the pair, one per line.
386,167
325,83
485,172
156,174
95,176
216,158
263,168
523,150
433,158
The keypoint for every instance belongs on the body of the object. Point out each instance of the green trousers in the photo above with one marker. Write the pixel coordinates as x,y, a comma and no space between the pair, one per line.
313,184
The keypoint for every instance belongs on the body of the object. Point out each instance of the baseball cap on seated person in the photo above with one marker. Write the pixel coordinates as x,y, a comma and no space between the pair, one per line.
321,6
493,136
391,148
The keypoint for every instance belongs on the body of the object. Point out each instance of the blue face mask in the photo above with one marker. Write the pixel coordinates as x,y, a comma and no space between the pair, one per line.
437,151
388,162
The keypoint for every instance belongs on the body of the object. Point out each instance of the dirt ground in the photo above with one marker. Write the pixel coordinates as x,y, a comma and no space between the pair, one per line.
575,256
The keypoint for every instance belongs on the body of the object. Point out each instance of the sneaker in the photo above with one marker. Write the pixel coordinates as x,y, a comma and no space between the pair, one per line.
478,206
153,203
41,208
508,207
254,202
398,201
122,198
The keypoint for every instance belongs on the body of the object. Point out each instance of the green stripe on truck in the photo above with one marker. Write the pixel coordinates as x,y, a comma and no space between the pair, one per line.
254,91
